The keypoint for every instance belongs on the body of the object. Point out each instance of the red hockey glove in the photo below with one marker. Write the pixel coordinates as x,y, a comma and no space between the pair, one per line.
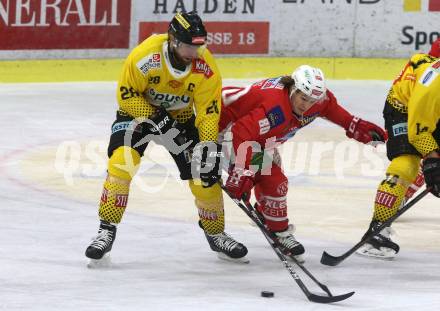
365,132
239,183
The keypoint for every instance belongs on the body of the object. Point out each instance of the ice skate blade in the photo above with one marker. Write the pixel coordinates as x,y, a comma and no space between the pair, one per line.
104,262
371,252
225,257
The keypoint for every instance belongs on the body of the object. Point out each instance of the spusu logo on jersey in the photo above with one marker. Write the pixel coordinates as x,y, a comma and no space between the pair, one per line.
167,100
200,66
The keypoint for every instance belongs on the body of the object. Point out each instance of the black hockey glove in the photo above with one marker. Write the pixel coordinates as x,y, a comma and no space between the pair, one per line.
161,121
431,171
167,131
206,162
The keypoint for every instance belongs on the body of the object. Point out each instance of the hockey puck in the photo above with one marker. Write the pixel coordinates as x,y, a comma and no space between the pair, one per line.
267,294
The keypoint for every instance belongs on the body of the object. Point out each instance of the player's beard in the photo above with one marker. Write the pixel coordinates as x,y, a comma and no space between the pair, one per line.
176,60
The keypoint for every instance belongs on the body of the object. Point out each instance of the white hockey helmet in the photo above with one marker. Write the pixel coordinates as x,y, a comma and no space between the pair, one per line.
310,81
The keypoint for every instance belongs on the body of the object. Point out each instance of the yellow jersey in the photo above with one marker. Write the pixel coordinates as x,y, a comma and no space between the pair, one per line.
416,91
149,81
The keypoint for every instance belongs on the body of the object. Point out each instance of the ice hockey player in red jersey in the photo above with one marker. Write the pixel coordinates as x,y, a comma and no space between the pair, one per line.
268,113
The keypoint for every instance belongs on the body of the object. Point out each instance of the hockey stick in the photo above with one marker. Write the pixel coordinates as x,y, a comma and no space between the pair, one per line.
274,240
330,260
250,211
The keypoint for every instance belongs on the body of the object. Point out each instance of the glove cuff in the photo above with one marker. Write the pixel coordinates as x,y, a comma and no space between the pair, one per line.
352,126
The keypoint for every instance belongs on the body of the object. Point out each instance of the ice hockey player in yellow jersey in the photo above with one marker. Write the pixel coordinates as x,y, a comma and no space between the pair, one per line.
169,91
412,114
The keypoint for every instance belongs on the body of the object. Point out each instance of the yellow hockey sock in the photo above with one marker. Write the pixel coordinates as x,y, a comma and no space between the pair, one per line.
122,166
209,202
113,199
400,174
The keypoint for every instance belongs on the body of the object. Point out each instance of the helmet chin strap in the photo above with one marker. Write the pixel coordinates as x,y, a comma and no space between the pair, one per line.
292,91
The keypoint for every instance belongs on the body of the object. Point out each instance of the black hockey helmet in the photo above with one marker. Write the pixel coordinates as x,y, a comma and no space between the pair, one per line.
188,28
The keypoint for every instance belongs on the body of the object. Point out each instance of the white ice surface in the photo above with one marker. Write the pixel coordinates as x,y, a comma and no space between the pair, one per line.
52,150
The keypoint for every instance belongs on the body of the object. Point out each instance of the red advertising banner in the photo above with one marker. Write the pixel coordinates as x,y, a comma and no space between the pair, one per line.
80,24
224,37
434,5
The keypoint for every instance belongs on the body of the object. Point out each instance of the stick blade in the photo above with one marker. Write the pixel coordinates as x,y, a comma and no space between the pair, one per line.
329,299
329,260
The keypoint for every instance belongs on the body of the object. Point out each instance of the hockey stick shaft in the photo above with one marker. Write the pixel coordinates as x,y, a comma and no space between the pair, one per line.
272,238
312,297
330,260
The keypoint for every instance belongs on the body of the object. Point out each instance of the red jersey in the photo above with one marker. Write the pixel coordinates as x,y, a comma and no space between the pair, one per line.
262,112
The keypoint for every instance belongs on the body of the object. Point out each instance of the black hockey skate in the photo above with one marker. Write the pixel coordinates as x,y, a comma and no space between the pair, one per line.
289,245
285,240
103,242
226,247
381,245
